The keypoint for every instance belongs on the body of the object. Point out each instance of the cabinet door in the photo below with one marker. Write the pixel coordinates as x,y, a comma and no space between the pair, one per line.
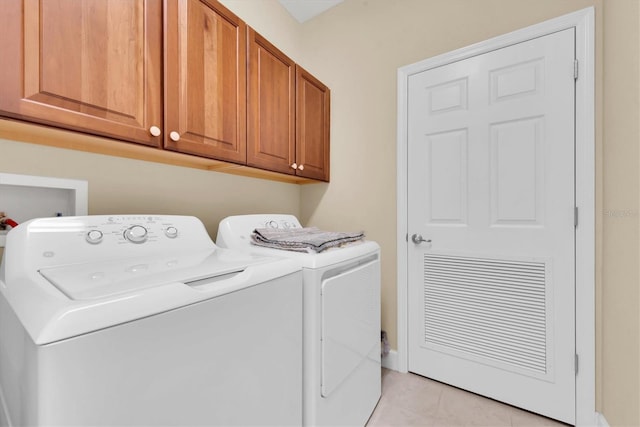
89,65
205,80
312,126
270,107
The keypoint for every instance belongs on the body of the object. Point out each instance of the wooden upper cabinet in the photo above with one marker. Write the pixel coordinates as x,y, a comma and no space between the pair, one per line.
205,80
184,75
287,114
90,65
270,106
312,126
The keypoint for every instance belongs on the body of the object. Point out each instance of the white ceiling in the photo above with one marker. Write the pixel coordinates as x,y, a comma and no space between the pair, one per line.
303,10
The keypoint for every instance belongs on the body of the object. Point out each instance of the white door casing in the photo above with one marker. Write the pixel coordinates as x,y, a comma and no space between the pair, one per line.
450,214
491,185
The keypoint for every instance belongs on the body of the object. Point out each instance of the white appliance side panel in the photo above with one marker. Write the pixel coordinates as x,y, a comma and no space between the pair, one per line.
350,323
231,360
18,371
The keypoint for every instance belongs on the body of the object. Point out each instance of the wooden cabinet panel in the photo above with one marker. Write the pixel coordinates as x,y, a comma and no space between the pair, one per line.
205,80
270,106
312,126
287,114
185,75
90,65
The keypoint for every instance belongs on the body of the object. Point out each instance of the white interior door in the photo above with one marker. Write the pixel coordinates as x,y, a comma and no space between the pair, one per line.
491,185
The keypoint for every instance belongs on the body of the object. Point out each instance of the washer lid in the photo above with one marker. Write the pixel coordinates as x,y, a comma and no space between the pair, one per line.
105,279
57,303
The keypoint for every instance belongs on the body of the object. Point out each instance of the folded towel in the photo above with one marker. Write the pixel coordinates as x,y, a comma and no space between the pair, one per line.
308,239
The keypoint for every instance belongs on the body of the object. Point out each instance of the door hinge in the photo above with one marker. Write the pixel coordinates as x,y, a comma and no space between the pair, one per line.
577,364
575,69
575,217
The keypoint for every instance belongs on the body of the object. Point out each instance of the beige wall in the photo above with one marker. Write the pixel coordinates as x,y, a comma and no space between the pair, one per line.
271,20
118,185
356,48
620,320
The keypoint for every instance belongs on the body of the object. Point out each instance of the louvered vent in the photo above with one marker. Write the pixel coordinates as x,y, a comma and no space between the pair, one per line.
491,309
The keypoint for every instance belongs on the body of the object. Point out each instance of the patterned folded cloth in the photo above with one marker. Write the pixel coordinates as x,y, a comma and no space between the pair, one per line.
307,239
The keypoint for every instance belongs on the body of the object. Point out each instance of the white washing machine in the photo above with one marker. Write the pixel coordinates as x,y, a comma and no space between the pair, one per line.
341,321
142,320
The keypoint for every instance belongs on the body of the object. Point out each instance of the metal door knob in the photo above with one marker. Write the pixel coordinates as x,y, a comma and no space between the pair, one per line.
175,136
301,167
294,166
417,239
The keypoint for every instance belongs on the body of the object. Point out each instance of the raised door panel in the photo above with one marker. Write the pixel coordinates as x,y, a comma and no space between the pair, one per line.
205,80
270,106
312,126
89,65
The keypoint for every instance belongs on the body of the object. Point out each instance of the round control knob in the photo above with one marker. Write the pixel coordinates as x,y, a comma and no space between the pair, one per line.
94,236
136,234
175,136
155,131
171,232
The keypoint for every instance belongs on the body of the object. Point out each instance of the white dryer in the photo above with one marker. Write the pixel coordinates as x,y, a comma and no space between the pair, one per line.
142,320
341,313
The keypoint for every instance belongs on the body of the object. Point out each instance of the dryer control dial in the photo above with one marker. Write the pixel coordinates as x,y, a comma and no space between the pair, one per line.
136,234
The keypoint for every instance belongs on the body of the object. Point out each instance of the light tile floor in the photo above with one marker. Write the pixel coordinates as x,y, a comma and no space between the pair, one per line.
410,400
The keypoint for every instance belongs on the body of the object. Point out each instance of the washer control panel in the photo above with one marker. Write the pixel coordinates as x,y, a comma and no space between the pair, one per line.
100,237
134,229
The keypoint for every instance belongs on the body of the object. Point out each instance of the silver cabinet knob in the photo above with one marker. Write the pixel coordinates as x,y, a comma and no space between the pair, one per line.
294,166
301,167
155,131
417,239
175,136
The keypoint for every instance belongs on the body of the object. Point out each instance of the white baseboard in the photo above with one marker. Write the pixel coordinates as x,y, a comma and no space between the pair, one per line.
601,421
390,361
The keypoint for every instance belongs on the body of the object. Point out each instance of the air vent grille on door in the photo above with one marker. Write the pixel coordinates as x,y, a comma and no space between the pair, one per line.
487,309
